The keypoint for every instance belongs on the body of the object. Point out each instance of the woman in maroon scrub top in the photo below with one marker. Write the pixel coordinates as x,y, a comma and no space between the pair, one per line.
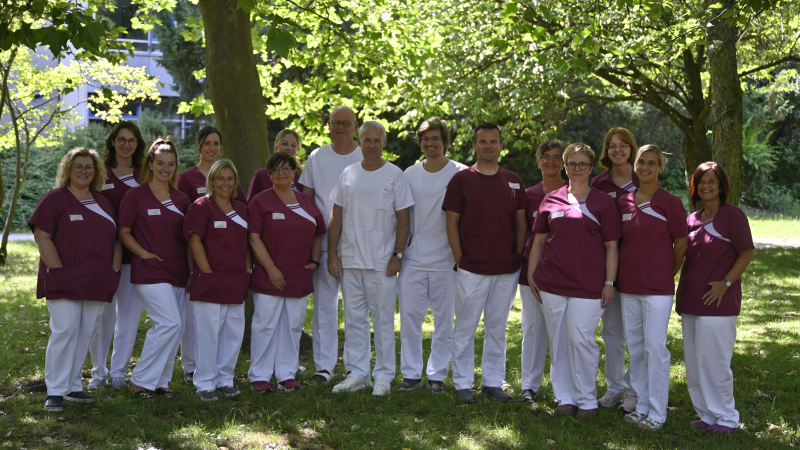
653,245
151,226
287,141
75,230
124,151
709,297
285,231
216,227
571,271
618,155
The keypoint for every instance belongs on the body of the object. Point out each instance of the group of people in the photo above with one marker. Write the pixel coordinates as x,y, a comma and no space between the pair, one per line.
128,230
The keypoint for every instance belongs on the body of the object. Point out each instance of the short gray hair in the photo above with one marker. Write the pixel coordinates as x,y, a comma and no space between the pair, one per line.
372,125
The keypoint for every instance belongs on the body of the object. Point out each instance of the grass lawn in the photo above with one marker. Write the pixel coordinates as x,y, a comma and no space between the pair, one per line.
766,366
772,225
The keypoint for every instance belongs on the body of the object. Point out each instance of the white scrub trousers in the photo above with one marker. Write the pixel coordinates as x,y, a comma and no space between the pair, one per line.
325,324
534,340
162,302
219,330
613,334
72,323
275,337
188,361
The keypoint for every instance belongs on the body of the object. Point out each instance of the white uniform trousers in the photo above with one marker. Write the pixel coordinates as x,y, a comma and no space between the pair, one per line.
417,289
128,312
534,340
162,302
574,354
646,318
493,296
708,343
613,334
325,324
187,336
366,293
72,323
275,337
219,330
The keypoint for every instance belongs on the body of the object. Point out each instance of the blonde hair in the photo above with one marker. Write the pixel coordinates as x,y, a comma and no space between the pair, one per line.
215,172
159,146
578,148
282,134
655,149
626,137
65,167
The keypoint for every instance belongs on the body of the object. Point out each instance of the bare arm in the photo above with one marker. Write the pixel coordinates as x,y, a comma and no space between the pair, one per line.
263,257
334,233
718,288
127,239
400,240
309,191
453,236
522,230
47,249
316,251
612,262
537,247
678,253
199,254
116,261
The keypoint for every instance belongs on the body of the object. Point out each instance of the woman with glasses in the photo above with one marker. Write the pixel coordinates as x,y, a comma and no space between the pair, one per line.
287,141
285,233
618,155
709,297
534,332
151,227
79,261
653,245
124,151
216,227
572,268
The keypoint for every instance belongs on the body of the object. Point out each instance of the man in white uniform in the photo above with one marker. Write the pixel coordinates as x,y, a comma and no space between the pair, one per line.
371,216
427,277
319,176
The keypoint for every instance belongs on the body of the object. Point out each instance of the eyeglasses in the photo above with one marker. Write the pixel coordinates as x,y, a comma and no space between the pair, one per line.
621,147
80,168
432,140
547,158
280,170
123,141
286,144
581,165
337,124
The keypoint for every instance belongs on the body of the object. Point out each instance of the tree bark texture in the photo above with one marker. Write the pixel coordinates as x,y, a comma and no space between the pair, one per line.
236,95
725,94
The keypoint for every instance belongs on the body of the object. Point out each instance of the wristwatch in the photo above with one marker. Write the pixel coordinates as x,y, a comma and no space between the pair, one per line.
727,283
611,283
398,255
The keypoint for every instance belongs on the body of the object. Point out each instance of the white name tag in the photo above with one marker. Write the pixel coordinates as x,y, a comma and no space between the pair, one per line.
613,194
220,224
108,186
389,182
535,213
75,217
694,233
513,185
626,217
556,214
153,212
202,190
277,216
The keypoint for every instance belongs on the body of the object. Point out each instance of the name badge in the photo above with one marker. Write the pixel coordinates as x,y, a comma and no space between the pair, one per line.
613,194
277,216
513,185
220,224
74,217
626,217
534,214
202,190
153,212
694,233
556,214
389,182
108,186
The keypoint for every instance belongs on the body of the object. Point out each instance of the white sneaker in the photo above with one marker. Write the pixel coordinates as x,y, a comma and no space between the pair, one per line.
629,405
350,384
118,383
609,399
96,383
381,387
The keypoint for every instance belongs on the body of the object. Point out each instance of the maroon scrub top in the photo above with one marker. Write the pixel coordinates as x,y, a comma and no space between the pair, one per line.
535,196
158,228
488,205
646,259
261,182
225,242
714,246
114,189
574,258
603,182
84,233
288,237
192,183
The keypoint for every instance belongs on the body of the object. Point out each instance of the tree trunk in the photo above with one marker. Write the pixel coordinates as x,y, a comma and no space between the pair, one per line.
236,94
696,151
725,94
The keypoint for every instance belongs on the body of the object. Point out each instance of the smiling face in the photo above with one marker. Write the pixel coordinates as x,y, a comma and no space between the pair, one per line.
209,149
488,144
648,166
288,144
371,142
708,187
224,184
163,166
125,143
618,150
282,176
432,144
82,172
342,125
578,174
551,163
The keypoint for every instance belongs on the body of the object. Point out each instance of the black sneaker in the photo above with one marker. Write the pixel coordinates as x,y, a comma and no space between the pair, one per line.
495,393
409,384
436,387
464,396
79,396
53,403
528,396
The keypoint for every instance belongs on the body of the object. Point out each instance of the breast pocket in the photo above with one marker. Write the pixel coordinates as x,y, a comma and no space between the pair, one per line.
386,201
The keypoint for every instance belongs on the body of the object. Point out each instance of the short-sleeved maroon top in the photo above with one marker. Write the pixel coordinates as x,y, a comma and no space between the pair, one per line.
261,182
84,233
225,242
114,189
535,196
646,258
714,246
192,183
158,228
488,205
288,232
605,183
574,257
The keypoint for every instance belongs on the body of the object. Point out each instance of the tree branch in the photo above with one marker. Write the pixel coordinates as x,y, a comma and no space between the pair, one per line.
769,65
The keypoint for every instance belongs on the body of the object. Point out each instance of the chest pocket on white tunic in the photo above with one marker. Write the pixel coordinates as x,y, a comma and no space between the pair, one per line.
386,202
